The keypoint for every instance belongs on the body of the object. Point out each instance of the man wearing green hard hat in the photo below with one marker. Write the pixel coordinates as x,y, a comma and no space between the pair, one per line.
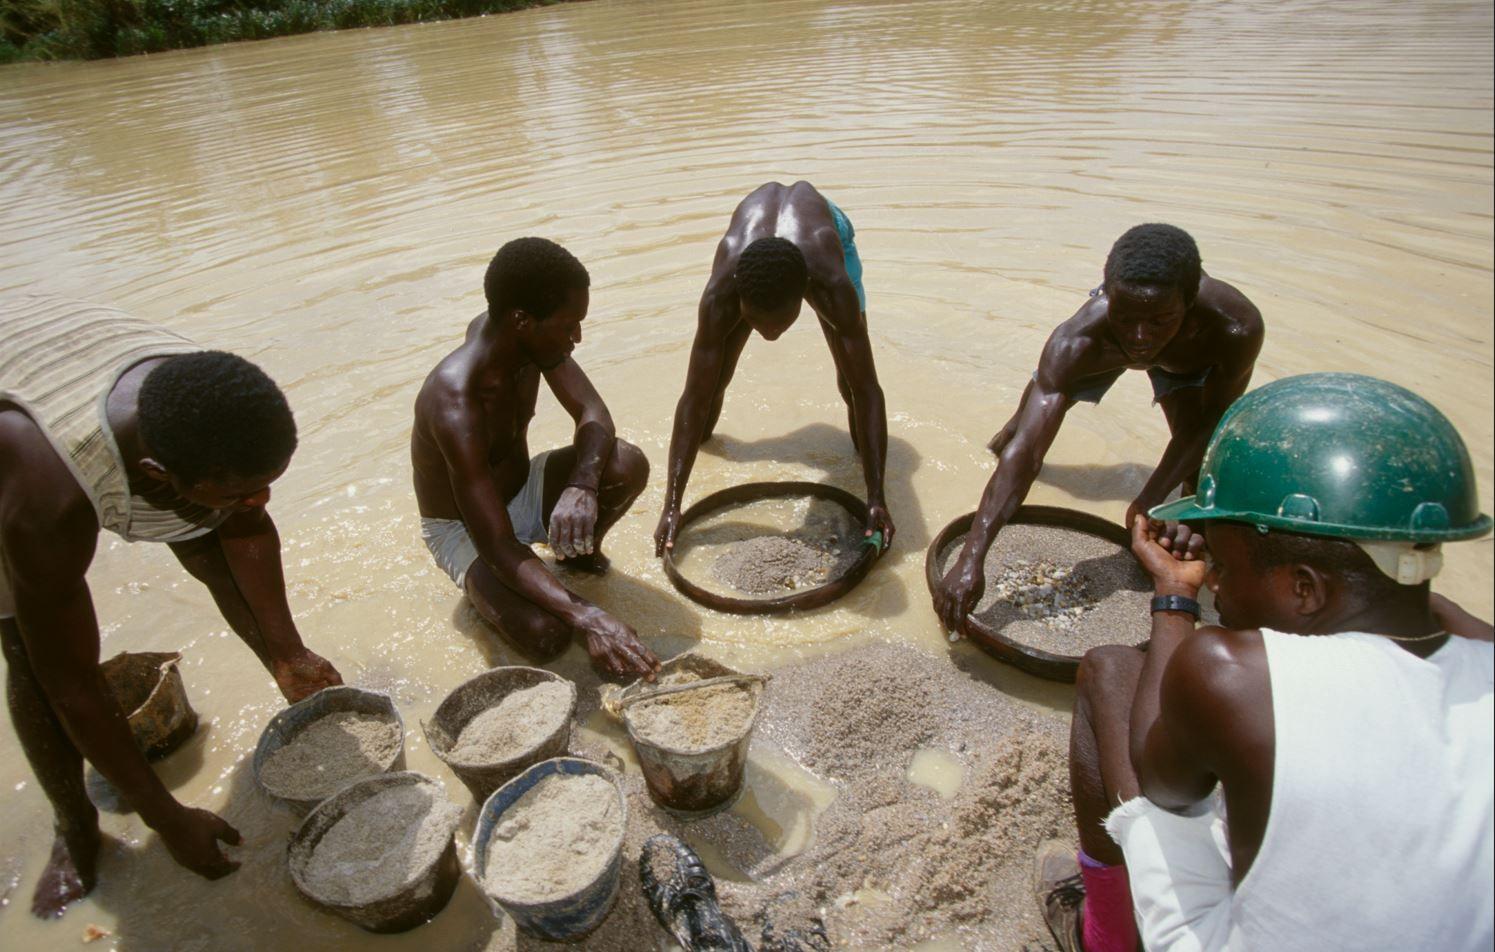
1340,716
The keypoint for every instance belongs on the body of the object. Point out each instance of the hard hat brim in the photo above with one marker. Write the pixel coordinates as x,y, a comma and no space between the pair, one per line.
1187,509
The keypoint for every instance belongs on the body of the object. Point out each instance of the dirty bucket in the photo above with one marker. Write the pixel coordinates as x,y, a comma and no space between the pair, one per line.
284,727
424,893
565,918
149,689
478,694
683,781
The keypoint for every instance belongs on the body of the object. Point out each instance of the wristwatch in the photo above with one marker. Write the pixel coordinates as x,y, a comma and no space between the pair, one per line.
1175,603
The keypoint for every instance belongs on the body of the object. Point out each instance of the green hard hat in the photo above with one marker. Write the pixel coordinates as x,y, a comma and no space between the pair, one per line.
1340,455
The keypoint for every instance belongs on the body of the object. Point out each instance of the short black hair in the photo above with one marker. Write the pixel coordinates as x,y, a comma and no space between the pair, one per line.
1155,254
771,273
533,275
1338,557
211,414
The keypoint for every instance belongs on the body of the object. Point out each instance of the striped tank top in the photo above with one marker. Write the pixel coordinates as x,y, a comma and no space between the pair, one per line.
59,360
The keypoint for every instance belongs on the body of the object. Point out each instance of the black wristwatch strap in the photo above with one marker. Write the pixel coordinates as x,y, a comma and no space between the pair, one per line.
1175,603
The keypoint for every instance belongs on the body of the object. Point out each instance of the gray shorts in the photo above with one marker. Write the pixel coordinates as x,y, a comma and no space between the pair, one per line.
451,545
1163,383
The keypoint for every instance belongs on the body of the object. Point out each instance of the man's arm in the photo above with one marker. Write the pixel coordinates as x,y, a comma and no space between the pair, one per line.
1202,713
1038,421
853,357
481,502
707,353
573,521
240,564
49,535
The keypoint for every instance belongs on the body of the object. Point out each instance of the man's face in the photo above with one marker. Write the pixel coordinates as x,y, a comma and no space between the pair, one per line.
550,341
1246,596
1144,318
771,324
235,493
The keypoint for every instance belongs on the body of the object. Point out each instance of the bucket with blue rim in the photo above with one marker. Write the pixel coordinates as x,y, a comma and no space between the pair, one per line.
564,918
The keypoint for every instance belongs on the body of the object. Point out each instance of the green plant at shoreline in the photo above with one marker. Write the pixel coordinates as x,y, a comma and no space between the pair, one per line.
93,29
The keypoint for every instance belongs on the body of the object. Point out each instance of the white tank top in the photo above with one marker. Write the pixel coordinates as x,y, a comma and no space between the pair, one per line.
1381,833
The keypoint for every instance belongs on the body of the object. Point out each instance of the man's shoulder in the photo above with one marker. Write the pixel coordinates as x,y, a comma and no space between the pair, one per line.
39,495
1229,309
1215,666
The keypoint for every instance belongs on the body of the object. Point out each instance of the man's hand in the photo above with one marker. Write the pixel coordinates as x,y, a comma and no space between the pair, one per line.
616,650
878,520
573,522
192,837
303,675
1172,553
664,535
1140,507
958,593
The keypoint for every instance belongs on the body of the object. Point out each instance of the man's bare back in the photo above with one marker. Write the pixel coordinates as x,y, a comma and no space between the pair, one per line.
784,245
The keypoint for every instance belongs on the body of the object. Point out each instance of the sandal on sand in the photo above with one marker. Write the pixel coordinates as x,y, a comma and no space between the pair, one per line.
683,897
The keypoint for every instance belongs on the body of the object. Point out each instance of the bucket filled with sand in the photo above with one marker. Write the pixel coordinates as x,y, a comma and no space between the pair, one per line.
493,726
148,687
691,730
1058,583
317,746
549,847
380,853
762,548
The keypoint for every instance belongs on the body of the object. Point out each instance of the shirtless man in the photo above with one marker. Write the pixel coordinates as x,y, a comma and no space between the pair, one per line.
1344,713
483,499
784,245
1197,338
109,422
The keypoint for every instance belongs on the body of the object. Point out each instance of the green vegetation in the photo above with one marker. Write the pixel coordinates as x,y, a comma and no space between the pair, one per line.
91,29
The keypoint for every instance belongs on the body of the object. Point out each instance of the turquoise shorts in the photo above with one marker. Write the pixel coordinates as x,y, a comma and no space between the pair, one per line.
848,236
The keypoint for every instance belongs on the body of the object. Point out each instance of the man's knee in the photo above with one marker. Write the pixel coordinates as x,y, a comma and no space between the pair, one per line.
1108,670
629,467
543,637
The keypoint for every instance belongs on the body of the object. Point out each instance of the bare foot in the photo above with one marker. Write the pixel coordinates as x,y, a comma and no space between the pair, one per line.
595,564
67,878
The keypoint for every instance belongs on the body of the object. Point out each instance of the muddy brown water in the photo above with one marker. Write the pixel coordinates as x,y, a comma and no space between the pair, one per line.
326,204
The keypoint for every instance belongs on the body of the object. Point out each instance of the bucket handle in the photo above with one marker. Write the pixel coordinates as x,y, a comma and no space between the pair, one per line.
618,703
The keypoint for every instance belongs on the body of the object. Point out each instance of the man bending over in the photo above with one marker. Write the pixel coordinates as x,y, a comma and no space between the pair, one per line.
1316,773
784,245
483,499
109,422
1197,338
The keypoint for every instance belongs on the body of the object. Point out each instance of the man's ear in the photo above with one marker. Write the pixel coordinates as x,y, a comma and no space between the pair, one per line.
155,470
1310,590
521,318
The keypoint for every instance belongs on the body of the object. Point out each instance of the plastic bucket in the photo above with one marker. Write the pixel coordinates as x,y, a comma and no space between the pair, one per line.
476,695
148,687
565,918
422,896
693,782
284,727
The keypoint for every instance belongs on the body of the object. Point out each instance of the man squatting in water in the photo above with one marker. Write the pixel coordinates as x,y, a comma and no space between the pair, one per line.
483,499
1197,337
1314,773
784,245
109,422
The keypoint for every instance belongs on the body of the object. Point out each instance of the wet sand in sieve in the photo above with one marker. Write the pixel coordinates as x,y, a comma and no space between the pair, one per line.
1061,591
